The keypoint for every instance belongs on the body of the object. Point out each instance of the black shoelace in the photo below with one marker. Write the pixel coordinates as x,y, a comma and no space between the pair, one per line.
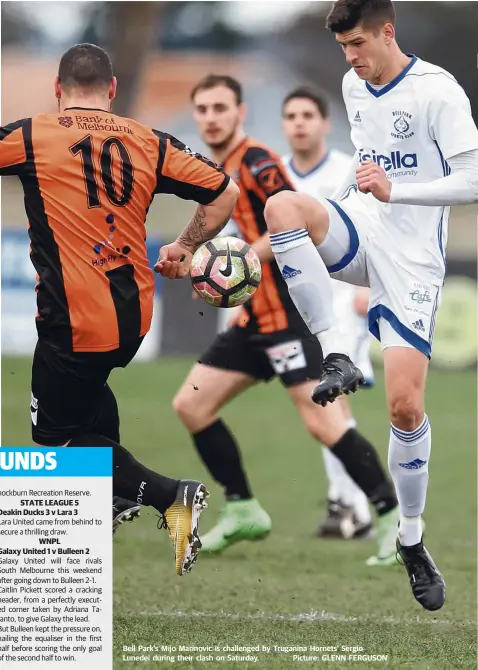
162,523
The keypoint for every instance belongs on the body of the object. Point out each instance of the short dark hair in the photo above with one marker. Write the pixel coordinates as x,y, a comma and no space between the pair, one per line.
85,65
213,80
347,14
317,96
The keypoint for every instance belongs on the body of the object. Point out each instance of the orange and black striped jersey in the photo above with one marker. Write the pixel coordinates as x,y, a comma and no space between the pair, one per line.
89,177
259,174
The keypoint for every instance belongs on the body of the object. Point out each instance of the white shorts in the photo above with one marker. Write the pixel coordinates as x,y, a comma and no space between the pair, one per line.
403,306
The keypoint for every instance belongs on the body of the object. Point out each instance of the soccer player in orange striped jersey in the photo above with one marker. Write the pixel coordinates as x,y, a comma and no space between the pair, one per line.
89,177
266,339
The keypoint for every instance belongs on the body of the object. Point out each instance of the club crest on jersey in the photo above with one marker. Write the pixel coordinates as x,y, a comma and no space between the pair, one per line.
401,125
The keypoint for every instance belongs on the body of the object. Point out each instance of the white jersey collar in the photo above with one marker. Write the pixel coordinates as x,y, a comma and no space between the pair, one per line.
316,167
394,82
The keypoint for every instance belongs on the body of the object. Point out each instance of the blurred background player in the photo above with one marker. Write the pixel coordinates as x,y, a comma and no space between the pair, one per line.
316,169
268,338
89,177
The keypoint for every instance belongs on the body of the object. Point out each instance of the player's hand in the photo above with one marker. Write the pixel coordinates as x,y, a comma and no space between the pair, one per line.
174,261
371,178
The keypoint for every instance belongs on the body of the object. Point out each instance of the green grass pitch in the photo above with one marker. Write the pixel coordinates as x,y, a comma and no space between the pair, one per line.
290,589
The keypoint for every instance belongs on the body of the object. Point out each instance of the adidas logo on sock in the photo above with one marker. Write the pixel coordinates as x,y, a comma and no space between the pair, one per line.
288,272
413,465
357,117
418,325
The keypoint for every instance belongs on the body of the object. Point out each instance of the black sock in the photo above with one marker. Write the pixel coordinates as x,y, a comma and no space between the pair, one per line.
363,464
131,480
220,454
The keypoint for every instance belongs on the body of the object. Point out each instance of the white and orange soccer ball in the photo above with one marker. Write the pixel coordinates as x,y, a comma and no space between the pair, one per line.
225,272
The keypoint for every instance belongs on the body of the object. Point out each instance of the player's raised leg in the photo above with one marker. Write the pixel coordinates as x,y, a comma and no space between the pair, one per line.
107,423
310,239
198,402
409,455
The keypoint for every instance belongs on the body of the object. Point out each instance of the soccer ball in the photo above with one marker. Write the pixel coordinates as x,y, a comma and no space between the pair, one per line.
225,272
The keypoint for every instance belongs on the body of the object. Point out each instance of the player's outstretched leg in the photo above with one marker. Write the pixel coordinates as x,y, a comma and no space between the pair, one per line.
179,502
409,454
298,224
242,517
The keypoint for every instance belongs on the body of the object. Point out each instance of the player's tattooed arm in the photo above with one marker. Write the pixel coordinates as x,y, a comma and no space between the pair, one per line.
209,220
198,231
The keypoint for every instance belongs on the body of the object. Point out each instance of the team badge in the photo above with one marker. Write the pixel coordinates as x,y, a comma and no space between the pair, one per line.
401,125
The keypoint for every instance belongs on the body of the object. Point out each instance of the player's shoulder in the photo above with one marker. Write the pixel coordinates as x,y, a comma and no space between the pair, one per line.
258,155
339,158
13,125
433,80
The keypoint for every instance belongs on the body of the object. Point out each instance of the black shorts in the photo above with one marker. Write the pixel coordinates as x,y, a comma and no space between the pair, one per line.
294,355
70,395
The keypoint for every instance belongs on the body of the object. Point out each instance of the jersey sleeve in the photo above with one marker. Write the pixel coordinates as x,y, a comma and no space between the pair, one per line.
267,171
187,174
12,149
450,121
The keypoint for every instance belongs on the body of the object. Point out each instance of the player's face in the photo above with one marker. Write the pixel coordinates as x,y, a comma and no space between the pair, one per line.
303,124
367,50
217,115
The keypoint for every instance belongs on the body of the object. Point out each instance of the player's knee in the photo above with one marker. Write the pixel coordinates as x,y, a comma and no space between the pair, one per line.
183,408
191,413
279,210
406,411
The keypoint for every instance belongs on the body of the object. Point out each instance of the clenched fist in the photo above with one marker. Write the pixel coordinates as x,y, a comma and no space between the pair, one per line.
371,178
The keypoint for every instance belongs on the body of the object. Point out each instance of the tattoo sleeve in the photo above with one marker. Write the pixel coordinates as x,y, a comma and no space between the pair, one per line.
199,230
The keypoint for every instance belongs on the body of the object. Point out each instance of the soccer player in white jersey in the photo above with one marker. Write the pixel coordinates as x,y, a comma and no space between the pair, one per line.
315,169
417,154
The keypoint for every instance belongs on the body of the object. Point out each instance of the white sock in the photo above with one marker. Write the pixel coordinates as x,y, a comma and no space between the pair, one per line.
333,469
342,487
309,284
408,456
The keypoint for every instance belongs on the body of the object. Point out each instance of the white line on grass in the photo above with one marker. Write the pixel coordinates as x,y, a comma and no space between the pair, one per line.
313,615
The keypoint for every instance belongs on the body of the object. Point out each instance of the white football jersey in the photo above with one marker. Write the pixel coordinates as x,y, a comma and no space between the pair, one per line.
324,178
410,127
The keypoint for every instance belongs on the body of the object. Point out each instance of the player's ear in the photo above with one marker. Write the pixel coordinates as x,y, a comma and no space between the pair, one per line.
112,89
242,112
388,33
327,125
57,88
